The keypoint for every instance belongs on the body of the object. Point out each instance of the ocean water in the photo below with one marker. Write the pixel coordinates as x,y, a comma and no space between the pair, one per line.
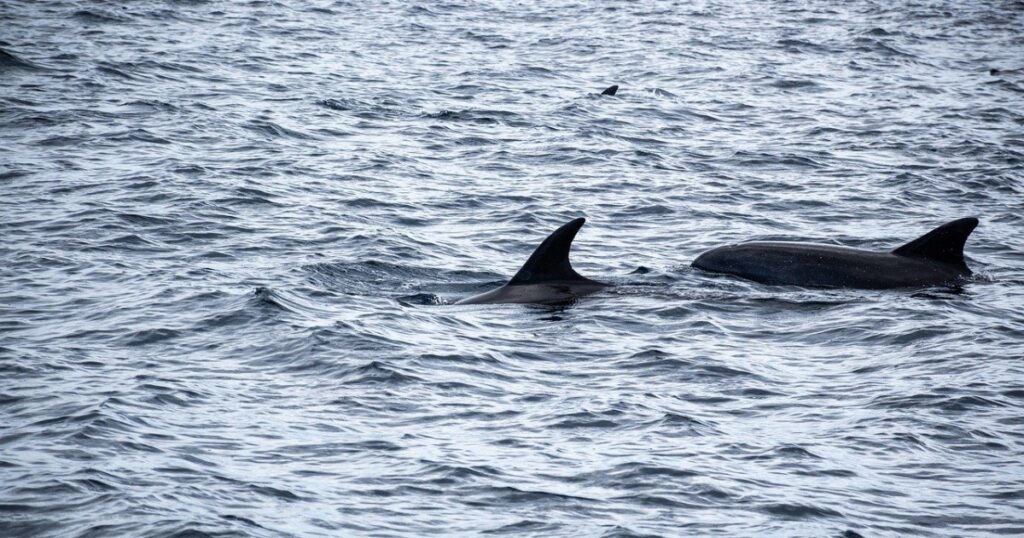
233,233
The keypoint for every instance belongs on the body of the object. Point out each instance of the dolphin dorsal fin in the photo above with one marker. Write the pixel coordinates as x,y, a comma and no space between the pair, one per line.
550,262
944,244
610,90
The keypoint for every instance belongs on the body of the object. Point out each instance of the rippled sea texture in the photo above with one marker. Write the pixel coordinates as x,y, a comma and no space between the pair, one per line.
232,234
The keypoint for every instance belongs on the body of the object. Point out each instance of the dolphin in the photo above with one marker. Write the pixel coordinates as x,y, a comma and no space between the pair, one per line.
610,90
545,278
934,259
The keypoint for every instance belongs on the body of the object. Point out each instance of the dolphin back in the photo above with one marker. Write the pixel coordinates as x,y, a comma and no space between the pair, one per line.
944,244
550,262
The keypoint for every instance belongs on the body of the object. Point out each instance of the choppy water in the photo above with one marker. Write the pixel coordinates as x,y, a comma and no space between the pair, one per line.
232,233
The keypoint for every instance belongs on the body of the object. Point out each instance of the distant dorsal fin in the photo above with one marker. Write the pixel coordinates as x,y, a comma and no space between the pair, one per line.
550,262
610,90
944,244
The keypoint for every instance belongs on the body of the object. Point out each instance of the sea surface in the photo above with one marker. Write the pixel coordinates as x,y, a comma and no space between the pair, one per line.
233,234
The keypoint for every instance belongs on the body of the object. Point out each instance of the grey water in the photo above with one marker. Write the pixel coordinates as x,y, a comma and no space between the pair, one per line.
232,234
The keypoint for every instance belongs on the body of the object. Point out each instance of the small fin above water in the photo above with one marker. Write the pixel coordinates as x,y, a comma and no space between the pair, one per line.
550,262
944,244
610,90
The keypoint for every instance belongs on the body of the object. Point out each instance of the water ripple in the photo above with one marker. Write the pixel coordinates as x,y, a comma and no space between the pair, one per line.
234,234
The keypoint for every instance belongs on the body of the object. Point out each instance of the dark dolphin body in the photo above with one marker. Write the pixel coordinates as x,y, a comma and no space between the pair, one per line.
547,277
934,259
